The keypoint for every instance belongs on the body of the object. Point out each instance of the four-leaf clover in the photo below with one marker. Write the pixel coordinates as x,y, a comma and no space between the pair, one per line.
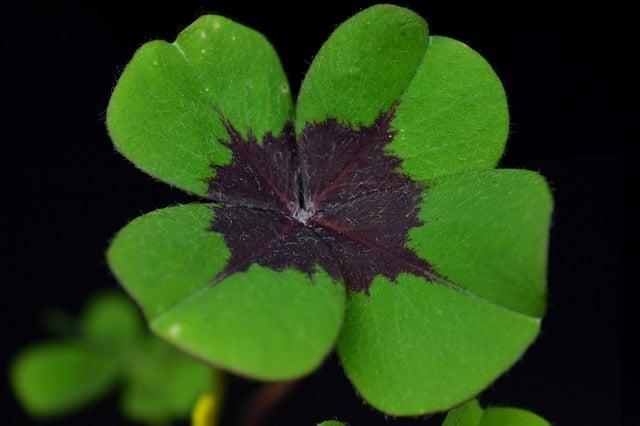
369,216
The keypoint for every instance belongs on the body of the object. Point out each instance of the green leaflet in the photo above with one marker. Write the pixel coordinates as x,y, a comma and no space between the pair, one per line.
167,255
468,414
364,67
160,383
507,416
453,116
111,322
412,348
472,414
260,323
163,114
487,232
51,379
241,73
81,369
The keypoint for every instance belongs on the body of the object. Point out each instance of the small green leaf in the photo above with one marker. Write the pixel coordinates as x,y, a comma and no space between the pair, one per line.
413,347
364,67
471,414
468,414
507,416
453,116
259,323
164,112
51,379
111,322
163,384
331,423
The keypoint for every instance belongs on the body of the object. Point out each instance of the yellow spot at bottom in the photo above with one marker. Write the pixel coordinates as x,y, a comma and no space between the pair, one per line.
205,411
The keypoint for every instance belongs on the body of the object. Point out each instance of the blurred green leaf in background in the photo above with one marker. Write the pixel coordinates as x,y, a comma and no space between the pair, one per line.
109,350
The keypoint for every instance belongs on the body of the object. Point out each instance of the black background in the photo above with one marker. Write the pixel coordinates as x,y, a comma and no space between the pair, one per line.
66,191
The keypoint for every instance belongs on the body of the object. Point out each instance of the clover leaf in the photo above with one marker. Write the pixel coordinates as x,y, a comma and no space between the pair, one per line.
472,414
370,216
110,348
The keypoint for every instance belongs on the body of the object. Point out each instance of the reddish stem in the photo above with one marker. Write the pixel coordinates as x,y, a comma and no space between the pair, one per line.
263,401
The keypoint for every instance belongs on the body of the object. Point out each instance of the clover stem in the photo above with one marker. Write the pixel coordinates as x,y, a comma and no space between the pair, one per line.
264,400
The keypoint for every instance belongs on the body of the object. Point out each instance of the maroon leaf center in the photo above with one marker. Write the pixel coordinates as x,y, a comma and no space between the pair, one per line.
332,198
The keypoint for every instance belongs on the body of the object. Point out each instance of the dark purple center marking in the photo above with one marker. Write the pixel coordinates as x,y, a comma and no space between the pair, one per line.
332,198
